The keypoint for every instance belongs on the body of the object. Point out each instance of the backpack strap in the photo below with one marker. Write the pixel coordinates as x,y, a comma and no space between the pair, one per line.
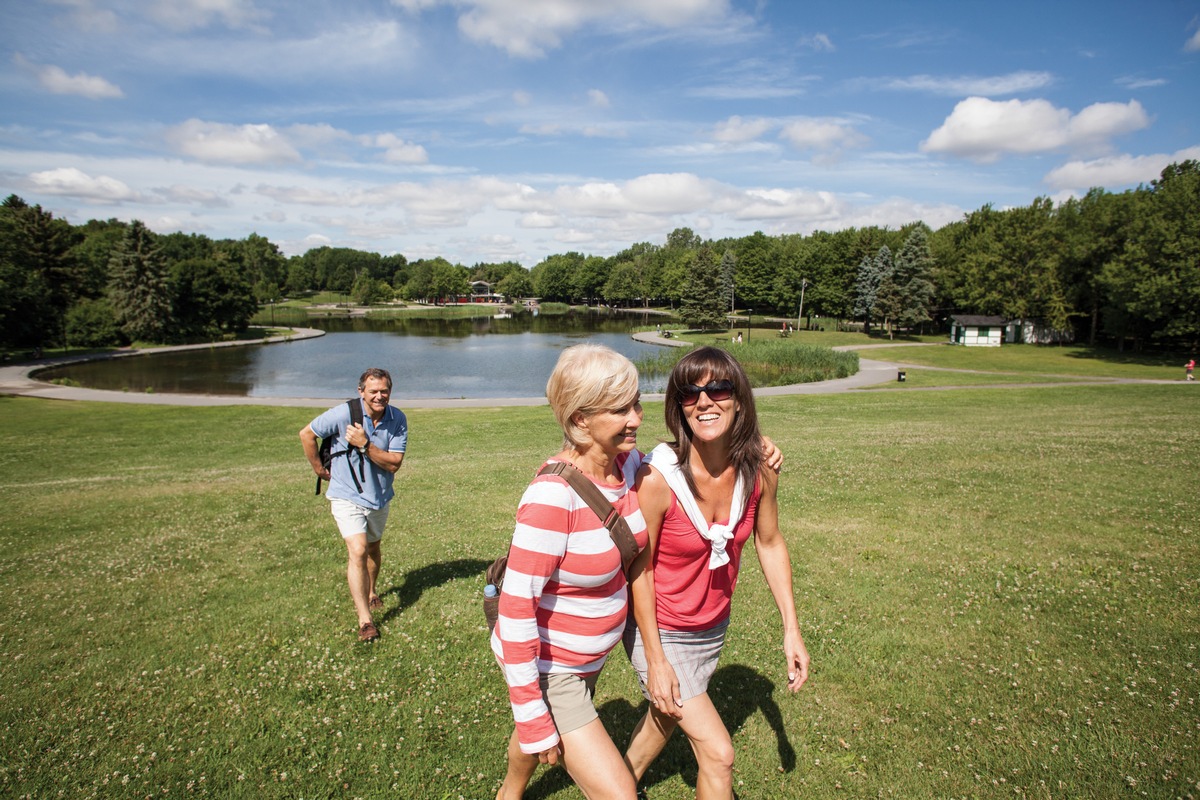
617,527
356,418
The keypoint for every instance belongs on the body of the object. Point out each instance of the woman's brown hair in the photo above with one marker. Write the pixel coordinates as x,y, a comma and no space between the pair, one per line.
745,446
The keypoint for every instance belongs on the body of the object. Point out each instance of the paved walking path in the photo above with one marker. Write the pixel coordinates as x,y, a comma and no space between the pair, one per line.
16,380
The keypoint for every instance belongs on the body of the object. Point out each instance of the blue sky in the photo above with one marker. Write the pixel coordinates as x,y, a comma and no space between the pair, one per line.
494,130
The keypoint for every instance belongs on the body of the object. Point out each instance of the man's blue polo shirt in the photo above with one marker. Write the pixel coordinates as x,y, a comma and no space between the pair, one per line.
390,434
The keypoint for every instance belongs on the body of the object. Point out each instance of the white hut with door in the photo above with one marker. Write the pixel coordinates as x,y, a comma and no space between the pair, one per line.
974,330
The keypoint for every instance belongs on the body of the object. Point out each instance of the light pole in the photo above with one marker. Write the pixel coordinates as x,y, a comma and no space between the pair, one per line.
800,313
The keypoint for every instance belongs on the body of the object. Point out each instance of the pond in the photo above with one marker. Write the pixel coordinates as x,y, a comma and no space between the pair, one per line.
428,358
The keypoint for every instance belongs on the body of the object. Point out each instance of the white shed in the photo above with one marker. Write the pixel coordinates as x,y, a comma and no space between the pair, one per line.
976,330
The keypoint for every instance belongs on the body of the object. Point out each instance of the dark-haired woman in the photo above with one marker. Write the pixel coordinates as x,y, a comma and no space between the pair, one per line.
702,496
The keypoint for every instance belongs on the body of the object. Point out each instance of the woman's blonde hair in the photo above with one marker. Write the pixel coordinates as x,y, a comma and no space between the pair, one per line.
589,378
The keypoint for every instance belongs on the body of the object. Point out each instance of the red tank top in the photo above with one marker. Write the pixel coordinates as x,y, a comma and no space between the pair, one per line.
689,595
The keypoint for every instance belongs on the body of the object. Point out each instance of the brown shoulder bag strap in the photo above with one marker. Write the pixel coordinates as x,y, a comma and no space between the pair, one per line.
617,527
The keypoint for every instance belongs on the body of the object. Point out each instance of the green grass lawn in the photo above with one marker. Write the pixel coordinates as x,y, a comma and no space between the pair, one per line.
1024,361
999,590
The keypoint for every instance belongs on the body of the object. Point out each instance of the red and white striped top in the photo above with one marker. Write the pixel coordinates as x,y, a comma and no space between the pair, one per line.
564,598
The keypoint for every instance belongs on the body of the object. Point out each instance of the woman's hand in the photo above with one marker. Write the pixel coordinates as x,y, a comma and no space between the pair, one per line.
663,687
797,660
550,756
772,455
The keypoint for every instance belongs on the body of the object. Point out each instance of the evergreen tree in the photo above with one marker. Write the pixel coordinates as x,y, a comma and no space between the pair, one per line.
139,291
703,304
728,270
889,298
39,276
870,276
914,269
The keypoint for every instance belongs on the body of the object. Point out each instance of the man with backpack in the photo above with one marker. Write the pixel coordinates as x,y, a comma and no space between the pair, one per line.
368,438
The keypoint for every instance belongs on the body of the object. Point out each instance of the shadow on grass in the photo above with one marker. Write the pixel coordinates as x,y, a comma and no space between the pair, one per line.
736,691
415,582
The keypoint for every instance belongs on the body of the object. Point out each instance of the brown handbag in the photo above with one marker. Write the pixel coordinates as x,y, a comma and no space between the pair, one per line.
617,527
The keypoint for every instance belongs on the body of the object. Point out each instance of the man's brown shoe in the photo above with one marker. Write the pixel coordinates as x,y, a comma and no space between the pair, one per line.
375,602
368,632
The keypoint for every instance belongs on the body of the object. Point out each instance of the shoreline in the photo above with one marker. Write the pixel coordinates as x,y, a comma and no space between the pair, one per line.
18,380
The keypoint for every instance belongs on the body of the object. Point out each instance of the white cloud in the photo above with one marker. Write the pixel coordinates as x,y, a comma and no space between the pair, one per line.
1140,83
1193,44
736,130
217,142
536,219
72,182
315,135
86,17
527,29
819,42
190,195
598,98
983,130
649,194
398,151
991,86
55,79
821,134
184,15
1116,171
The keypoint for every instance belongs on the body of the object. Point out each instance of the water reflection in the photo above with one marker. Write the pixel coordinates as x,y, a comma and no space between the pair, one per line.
471,358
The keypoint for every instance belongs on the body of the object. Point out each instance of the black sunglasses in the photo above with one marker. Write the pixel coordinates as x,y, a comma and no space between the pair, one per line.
689,394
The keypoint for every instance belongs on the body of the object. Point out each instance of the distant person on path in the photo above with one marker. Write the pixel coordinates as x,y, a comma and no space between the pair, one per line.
361,514
1190,368
702,496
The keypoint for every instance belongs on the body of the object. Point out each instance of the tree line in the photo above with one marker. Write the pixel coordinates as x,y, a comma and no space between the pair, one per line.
1120,268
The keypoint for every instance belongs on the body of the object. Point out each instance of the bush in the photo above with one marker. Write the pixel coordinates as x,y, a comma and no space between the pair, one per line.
767,363
91,323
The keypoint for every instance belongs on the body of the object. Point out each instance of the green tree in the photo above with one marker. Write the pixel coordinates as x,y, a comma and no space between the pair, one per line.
889,299
515,285
703,304
866,285
589,278
756,270
623,286
913,277
448,281
1154,286
92,253
1093,230
91,323
39,277
419,285
553,277
209,298
139,290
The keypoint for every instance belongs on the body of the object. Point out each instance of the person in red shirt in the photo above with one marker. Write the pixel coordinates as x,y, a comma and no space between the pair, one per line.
1189,367
702,497
564,600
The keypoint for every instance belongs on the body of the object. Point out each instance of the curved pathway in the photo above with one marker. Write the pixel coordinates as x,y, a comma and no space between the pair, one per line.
17,380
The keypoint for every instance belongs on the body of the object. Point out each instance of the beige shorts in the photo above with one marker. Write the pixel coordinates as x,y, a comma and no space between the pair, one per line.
569,698
353,519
